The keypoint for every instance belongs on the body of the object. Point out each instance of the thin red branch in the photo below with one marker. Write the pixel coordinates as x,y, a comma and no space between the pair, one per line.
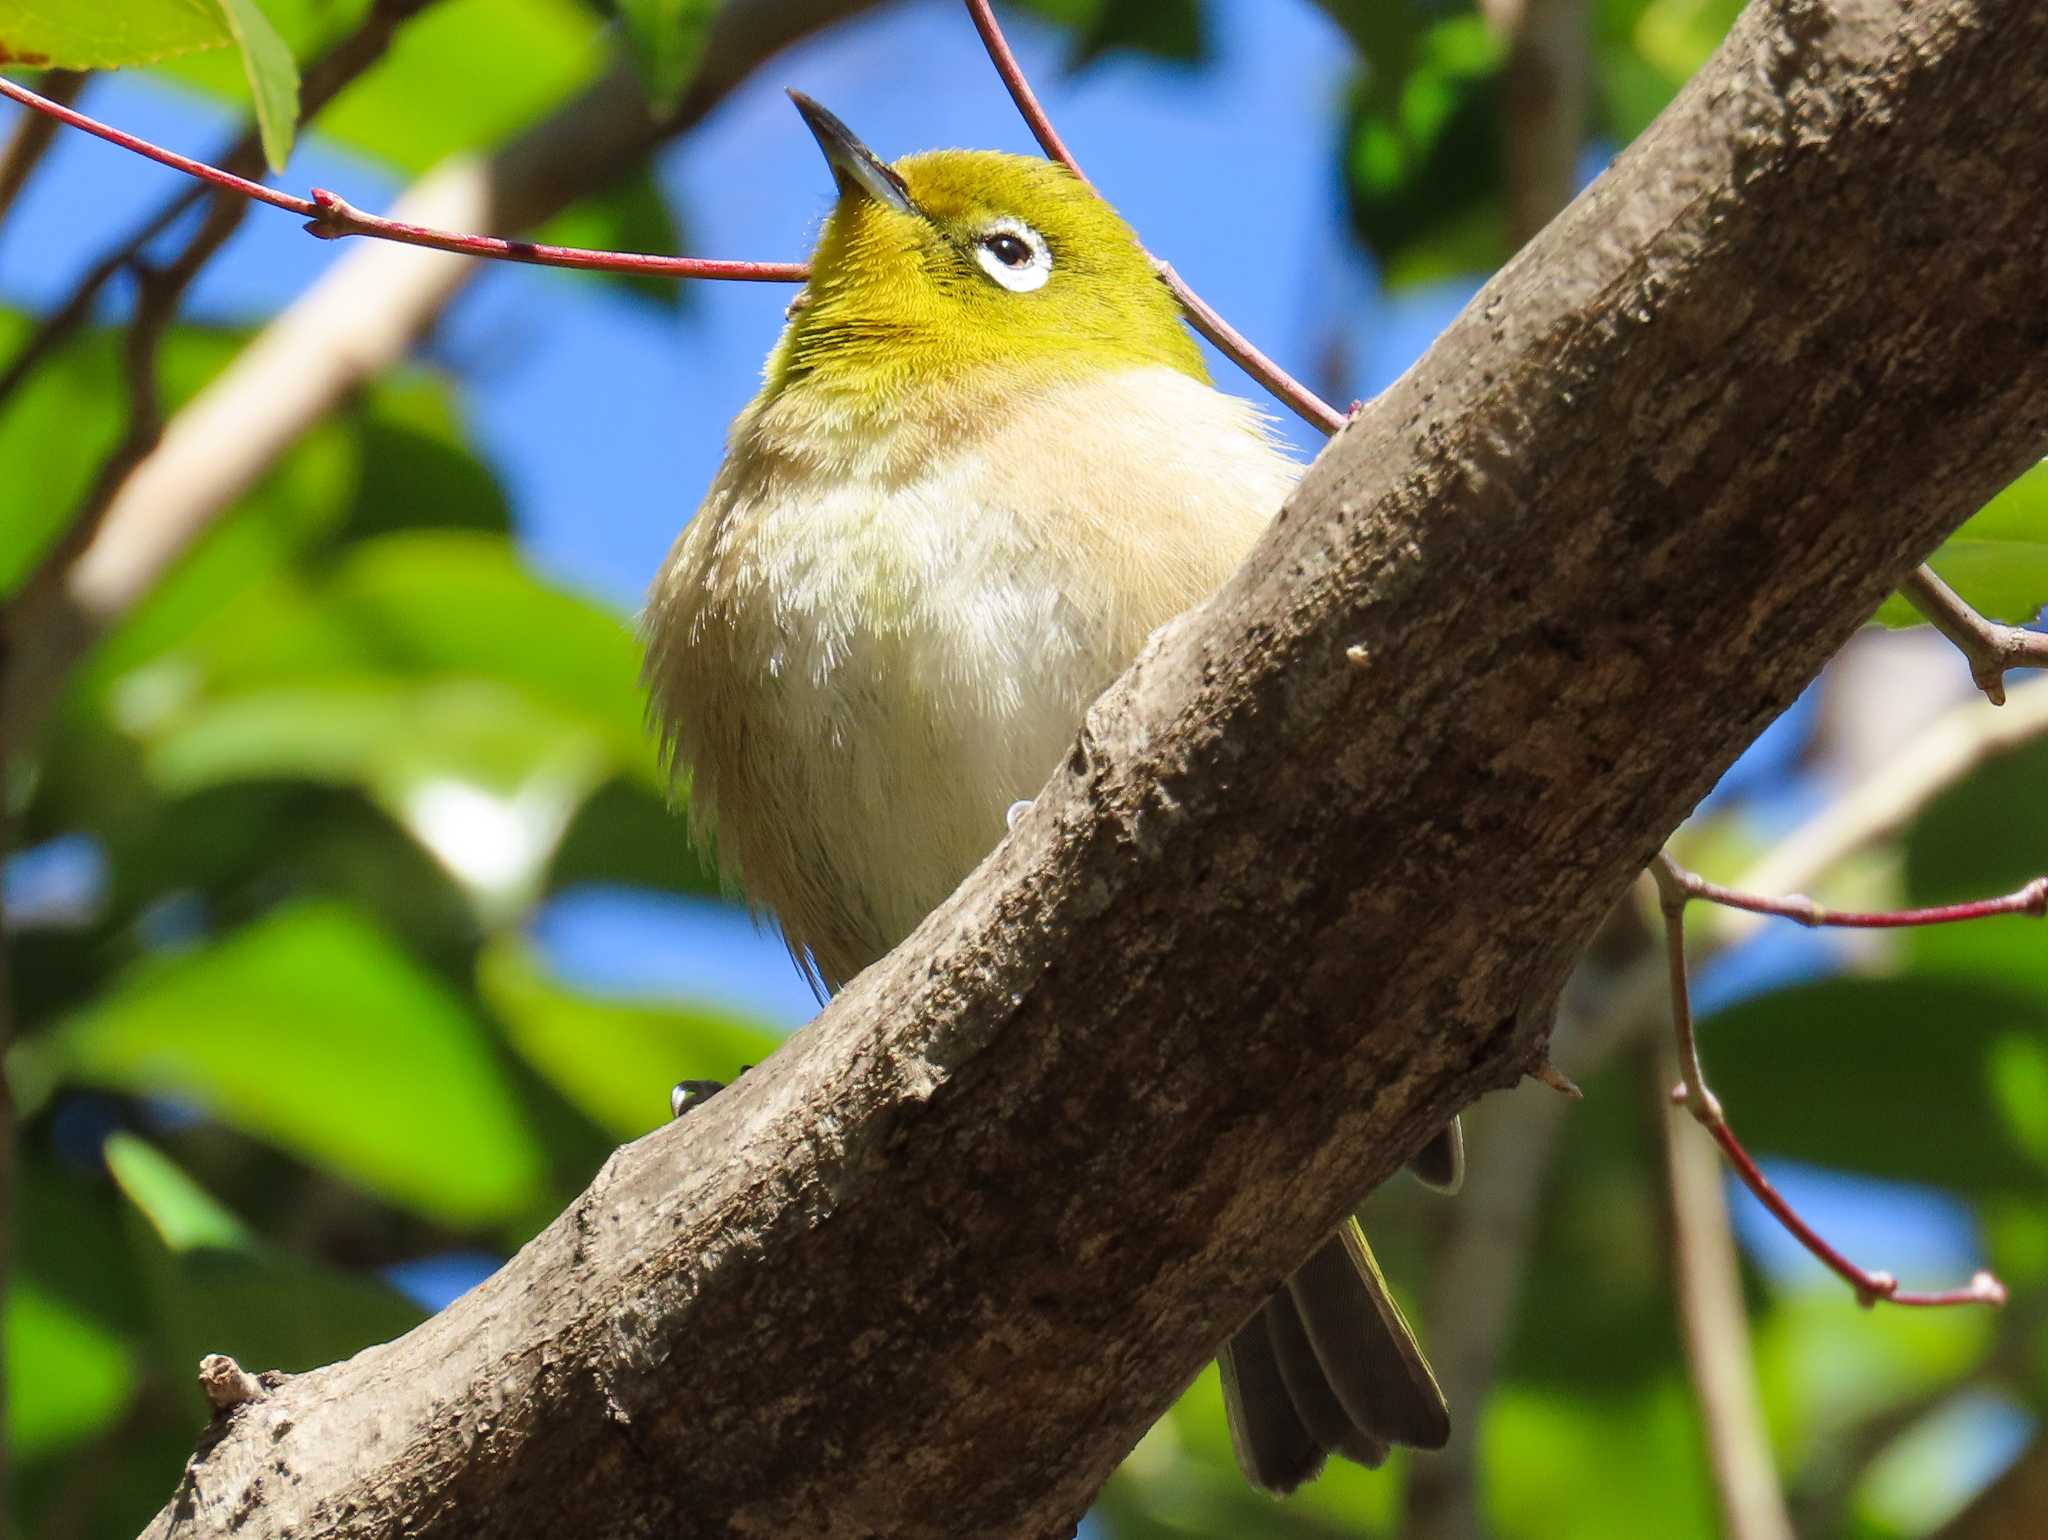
2031,899
330,216
1676,887
1284,387
1989,647
1982,1289
1028,106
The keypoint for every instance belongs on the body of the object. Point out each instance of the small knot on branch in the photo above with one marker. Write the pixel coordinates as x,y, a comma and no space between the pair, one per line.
1874,1287
227,1384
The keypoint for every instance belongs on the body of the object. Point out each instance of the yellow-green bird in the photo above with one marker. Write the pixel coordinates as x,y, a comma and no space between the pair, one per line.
985,464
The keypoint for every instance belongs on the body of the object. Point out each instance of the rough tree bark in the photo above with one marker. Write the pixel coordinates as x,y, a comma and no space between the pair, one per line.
1309,880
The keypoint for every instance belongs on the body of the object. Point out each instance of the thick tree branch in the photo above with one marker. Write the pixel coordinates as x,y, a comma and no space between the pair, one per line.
1310,879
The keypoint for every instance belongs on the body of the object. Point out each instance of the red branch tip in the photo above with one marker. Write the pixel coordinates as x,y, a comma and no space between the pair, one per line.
1984,1288
330,216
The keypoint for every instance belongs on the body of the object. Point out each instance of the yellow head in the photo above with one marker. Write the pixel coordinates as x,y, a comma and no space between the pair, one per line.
965,268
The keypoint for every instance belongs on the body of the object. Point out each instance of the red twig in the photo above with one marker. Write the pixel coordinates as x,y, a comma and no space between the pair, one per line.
2031,899
1284,387
330,216
1870,1287
1676,887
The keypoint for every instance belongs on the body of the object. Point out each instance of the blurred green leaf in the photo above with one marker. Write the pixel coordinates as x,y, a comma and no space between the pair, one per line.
1589,1467
629,835
614,1060
666,38
1998,561
1423,166
1644,50
66,1376
1825,1365
1986,836
482,776
312,1030
273,77
96,34
462,75
1849,1073
216,1288
184,1214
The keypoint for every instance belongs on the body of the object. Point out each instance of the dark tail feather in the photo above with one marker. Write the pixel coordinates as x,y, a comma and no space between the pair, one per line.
1321,1412
1365,1346
1328,1365
1274,1448
1441,1164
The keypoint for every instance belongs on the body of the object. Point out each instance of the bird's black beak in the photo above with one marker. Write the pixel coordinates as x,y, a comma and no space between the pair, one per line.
854,165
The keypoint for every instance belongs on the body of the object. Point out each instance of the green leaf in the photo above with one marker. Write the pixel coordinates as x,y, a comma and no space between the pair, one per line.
273,77
67,1377
616,1061
1424,170
482,775
98,34
215,1287
666,38
310,1029
1878,1056
1981,838
1998,561
461,75
1825,1367
184,1214
1589,1467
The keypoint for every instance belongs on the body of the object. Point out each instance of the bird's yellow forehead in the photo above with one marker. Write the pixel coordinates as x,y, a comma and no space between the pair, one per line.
967,185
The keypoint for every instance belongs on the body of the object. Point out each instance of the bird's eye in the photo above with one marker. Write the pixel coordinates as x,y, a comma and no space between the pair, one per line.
1007,249
1014,255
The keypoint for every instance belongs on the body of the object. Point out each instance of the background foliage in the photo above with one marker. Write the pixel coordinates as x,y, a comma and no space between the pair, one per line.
292,1061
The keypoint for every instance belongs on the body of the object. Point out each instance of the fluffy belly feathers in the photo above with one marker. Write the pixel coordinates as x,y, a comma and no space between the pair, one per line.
860,669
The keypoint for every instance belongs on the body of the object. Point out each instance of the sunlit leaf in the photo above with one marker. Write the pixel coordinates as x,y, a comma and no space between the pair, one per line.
97,34
1825,1365
1998,561
184,1214
482,775
1540,1452
461,75
614,1060
66,1375
215,1287
314,1031
273,77
1423,165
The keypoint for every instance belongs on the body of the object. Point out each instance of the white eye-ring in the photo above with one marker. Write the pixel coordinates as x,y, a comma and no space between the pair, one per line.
1014,255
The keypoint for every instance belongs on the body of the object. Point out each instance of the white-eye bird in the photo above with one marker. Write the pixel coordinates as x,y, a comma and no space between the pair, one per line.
985,464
